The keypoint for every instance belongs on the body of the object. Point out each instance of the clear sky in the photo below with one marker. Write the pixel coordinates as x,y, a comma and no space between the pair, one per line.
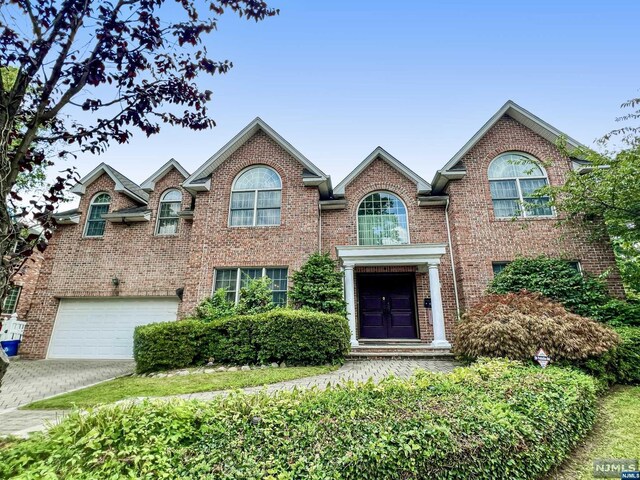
337,78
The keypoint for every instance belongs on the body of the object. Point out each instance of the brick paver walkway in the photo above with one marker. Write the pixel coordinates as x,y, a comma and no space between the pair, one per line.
20,422
357,371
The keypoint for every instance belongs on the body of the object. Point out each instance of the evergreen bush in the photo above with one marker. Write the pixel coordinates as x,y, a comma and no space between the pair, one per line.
318,286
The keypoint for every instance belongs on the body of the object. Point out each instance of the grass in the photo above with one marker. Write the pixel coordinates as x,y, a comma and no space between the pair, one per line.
616,435
130,387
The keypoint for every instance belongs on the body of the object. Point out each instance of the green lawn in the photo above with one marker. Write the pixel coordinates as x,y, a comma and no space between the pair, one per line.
616,435
128,387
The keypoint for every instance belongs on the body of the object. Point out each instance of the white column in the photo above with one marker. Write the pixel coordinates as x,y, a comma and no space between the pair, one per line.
349,296
437,312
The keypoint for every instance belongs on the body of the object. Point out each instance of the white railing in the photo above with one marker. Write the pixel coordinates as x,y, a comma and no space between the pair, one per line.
12,328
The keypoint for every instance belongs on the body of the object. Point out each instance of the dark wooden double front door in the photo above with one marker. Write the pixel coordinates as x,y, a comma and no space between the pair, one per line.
386,303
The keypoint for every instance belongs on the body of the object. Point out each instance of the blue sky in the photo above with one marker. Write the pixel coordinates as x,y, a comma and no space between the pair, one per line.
419,78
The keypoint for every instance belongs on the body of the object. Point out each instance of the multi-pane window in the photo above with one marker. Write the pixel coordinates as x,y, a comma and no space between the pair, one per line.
500,266
382,220
230,278
514,179
11,300
168,211
256,198
95,223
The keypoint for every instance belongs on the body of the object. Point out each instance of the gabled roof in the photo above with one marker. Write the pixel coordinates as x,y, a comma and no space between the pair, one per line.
149,184
200,180
123,184
422,185
454,169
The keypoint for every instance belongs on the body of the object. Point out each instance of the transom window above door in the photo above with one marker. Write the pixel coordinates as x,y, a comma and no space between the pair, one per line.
256,198
168,210
382,220
95,223
514,178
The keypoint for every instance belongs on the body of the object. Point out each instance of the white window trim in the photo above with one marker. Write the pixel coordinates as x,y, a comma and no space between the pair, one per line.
91,204
255,198
238,278
358,222
157,234
523,210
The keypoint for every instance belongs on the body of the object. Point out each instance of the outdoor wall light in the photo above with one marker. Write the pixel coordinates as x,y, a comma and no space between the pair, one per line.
115,281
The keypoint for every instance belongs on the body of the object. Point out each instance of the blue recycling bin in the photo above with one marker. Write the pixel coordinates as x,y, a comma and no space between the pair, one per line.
10,347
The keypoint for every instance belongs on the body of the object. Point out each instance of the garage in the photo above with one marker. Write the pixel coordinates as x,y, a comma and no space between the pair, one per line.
103,327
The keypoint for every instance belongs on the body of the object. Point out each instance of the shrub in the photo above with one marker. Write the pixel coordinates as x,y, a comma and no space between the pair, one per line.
622,363
516,325
297,337
619,313
255,297
214,307
318,286
555,279
167,345
494,420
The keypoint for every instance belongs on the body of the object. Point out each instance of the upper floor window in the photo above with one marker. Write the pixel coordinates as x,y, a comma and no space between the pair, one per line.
382,220
95,223
256,198
10,303
514,179
170,204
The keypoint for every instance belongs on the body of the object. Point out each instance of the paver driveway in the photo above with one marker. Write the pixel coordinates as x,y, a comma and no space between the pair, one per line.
29,380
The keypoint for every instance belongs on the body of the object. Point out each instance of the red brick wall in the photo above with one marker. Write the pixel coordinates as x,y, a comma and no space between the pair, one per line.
216,245
74,266
426,225
27,278
481,239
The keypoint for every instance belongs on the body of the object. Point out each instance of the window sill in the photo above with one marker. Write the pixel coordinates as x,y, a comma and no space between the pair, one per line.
253,226
523,219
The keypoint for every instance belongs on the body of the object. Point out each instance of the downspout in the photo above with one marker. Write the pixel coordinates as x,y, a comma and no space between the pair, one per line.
453,265
319,227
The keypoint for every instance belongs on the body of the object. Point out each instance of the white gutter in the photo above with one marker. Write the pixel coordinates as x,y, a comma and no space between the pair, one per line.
453,265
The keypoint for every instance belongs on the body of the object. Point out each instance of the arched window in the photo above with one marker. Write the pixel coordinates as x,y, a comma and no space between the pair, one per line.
168,210
256,198
95,223
514,178
382,220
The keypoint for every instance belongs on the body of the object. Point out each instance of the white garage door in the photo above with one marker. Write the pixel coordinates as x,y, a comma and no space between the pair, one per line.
103,328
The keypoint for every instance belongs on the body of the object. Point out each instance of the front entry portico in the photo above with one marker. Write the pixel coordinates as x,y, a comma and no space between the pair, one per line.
382,322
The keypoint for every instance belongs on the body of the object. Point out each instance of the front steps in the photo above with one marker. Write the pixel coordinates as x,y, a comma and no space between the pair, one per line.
397,349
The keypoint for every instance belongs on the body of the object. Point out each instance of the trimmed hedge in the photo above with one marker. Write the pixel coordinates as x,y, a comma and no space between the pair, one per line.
297,337
622,363
494,420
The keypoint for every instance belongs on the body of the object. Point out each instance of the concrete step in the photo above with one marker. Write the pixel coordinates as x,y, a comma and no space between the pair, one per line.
387,350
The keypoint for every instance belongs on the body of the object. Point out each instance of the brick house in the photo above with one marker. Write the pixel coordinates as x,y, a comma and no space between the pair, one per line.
414,253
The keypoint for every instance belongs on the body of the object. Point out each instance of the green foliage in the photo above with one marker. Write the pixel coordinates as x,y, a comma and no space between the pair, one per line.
494,420
318,286
604,200
256,297
215,306
168,345
555,279
516,325
621,364
619,313
297,337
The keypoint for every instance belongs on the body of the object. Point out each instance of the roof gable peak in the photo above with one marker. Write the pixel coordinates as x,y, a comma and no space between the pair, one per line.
149,184
380,153
200,180
122,184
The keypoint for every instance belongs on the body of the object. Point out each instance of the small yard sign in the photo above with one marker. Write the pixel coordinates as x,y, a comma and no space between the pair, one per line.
542,358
